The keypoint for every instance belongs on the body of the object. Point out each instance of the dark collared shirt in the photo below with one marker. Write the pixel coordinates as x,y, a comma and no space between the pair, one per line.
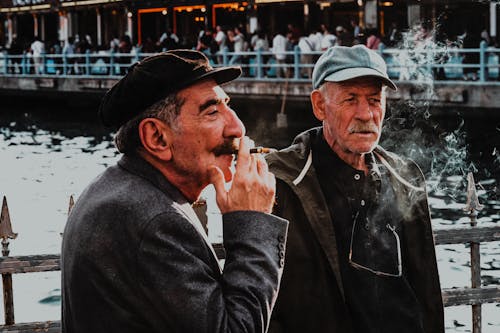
364,209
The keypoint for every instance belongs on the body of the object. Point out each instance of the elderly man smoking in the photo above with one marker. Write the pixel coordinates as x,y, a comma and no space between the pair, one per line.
135,257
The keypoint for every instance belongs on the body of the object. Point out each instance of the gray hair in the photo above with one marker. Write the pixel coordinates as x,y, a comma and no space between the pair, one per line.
127,138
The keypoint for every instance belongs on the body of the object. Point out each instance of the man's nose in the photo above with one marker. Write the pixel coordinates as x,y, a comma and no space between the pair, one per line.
364,111
234,127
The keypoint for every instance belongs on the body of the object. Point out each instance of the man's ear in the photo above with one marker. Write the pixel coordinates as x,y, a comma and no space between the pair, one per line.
154,136
318,104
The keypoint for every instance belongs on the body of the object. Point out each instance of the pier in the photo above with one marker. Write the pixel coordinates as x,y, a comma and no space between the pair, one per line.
416,81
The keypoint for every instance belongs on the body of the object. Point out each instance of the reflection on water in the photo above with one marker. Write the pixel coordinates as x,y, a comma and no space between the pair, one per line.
47,157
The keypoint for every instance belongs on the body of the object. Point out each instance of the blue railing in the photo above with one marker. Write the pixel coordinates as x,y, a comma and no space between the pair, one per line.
424,63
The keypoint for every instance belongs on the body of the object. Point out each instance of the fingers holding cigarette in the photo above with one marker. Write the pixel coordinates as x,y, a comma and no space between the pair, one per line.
253,186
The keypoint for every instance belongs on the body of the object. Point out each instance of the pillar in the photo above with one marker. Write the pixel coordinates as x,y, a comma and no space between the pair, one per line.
42,27
69,30
35,25
99,31
413,15
361,15
252,18
129,25
10,30
306,17
63,26
493,20
371,14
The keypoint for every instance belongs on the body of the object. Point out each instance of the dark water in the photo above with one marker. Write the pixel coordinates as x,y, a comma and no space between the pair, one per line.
51,150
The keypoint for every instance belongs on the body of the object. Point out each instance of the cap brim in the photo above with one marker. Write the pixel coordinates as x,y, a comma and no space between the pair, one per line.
221,75
352,73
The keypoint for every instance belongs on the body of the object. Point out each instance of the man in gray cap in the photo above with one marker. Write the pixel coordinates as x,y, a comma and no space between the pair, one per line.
360,254
135,257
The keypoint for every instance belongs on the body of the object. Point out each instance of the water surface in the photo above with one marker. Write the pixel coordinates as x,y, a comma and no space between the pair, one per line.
48,154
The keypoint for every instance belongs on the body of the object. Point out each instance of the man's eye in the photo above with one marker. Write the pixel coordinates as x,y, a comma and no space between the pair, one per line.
213,112
374,100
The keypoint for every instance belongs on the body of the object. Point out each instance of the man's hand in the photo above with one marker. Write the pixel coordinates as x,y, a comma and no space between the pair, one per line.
253,186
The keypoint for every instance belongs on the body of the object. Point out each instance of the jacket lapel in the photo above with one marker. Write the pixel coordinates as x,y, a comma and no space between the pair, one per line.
303,181
317,211
138,166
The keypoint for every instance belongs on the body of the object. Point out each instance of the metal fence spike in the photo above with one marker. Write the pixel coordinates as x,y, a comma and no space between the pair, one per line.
71,203
472,199
5,226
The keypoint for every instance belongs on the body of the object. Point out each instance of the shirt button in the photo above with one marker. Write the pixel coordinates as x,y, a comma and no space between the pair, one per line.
362,203
357,176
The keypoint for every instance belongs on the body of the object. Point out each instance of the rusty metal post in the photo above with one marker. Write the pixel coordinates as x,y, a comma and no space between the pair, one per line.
5,234
472,207
70,207
71,203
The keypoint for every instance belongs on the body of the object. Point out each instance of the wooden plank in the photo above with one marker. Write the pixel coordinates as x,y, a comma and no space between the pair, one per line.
8,299
461,235
40,326
28,264
51,262
470,296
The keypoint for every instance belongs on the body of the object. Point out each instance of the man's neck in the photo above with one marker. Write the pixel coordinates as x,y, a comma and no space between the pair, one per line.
185,185
357,161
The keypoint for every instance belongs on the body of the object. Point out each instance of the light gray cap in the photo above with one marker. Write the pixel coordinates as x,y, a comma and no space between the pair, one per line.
342,63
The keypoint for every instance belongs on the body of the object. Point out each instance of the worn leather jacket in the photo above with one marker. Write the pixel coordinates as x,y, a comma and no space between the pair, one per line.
311,297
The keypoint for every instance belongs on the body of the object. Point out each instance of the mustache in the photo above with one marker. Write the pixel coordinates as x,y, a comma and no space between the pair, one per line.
228,147
360,127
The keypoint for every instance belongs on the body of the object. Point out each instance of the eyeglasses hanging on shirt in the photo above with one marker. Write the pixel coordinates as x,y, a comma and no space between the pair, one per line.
375,247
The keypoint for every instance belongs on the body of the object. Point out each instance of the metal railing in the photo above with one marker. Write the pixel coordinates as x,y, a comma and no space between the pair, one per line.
475,295
423,63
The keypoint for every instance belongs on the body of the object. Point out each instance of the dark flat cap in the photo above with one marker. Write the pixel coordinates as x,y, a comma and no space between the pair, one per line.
154,78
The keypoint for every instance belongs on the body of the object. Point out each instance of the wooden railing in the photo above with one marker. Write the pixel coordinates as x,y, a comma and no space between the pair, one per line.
475,295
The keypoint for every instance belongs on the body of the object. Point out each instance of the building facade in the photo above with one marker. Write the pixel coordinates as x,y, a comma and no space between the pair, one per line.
104,20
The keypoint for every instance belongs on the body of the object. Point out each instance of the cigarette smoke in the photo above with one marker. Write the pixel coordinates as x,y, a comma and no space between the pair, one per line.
439,144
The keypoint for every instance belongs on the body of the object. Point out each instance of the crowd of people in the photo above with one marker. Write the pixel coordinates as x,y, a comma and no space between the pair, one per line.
27,57
212,42
227,45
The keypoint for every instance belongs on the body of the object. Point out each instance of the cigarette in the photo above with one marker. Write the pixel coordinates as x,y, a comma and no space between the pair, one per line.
262,150
259,150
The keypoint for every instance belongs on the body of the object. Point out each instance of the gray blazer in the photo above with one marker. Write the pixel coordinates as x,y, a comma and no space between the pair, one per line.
133,261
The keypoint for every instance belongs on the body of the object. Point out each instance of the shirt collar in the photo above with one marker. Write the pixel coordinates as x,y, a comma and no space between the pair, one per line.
324,157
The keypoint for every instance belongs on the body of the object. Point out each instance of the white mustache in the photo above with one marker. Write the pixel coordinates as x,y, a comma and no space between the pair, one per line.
363,128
